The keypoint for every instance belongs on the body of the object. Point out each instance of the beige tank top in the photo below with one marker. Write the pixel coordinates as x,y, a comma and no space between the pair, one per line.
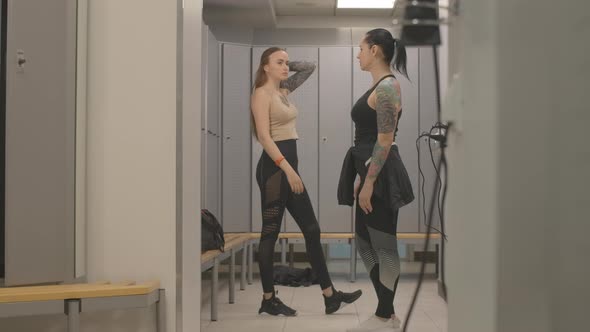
282,119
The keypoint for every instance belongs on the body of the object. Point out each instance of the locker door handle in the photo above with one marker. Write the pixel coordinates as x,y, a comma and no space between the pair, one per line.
20,59
227,137
324,139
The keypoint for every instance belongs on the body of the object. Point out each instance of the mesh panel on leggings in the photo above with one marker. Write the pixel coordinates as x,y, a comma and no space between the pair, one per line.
270,230
272,188
271,212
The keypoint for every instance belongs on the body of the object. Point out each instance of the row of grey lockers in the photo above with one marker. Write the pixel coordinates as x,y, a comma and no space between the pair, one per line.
230,153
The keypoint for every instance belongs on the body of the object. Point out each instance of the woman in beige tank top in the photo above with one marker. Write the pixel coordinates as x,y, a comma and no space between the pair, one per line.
274,118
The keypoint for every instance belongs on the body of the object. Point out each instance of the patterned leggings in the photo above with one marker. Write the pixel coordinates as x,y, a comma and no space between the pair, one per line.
376,237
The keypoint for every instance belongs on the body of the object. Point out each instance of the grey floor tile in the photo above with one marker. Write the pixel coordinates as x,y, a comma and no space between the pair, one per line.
430,313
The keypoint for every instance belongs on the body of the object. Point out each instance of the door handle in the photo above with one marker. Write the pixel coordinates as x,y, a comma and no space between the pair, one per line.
20,59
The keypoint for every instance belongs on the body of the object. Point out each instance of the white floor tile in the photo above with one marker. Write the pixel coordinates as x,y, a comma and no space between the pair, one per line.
430,313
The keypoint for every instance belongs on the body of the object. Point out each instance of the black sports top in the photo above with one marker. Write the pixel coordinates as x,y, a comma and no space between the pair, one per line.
365,118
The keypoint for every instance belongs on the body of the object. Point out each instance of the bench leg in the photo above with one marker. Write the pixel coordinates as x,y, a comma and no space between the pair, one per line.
437,260
73,312
352,260
161,311
284,251
232,276
243,269
291,254
410,251
250,261
214,286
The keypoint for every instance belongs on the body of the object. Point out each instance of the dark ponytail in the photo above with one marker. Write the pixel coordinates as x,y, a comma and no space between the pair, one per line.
401,59
393,50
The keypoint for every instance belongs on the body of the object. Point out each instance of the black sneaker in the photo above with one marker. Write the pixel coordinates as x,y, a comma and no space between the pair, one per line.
340,300
274,306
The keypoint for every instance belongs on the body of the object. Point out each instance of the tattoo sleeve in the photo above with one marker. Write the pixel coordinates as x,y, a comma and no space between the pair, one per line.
303,70
388,102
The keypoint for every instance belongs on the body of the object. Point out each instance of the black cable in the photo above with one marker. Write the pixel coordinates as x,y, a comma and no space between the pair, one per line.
437,174
437,80
443,159
442,226
442,140
423,179
423,265
440,137
432,201
422,191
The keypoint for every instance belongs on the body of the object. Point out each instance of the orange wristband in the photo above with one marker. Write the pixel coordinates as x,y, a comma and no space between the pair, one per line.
278,161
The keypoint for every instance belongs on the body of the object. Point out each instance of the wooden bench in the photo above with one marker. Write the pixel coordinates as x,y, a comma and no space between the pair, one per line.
234,242
73,299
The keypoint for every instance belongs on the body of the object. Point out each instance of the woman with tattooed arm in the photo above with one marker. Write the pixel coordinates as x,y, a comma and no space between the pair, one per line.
273,119
384,183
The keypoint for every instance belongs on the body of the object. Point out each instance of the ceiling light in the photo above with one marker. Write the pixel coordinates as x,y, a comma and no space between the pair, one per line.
365,3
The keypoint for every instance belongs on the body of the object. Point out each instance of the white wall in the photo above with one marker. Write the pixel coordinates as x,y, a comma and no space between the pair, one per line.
137,225
132,148
544,199
144,193
518,201
472,197
188,230
569,164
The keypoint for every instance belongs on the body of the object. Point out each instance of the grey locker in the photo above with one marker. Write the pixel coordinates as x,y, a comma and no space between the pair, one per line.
213,84
213,182
428,117
335,123
213,175
406,140
204,115
236,207
305,99
256,153
2,135
40,142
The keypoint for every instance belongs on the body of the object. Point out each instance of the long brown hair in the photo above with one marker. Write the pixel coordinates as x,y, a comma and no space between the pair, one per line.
262,78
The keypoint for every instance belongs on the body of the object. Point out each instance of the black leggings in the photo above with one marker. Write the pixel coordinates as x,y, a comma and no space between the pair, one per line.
277,195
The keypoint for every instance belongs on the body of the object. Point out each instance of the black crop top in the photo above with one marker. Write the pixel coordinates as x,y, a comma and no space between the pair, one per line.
365,118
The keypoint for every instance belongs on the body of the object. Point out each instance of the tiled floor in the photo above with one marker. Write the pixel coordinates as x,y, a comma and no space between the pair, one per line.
430,314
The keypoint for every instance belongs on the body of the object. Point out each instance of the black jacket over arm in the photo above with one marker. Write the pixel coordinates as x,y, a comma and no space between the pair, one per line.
392,185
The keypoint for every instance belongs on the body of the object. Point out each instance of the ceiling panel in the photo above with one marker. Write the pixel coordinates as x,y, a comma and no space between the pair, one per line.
265,13
364,12
305,7
237,4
